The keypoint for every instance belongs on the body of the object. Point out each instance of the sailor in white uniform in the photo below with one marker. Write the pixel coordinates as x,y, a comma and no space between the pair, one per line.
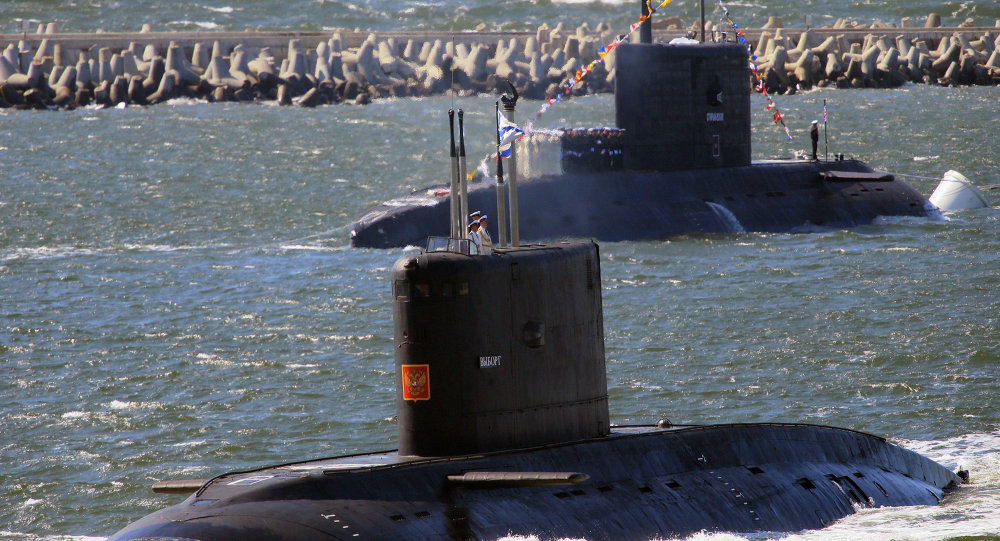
475,243
485,242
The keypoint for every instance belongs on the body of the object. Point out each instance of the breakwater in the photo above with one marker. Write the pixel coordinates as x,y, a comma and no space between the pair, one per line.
48,69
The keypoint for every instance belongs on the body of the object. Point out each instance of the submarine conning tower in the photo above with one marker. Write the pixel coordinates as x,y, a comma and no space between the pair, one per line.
683,106
499,352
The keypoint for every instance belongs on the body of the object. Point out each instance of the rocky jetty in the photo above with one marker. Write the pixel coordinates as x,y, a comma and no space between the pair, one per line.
47,70
879,56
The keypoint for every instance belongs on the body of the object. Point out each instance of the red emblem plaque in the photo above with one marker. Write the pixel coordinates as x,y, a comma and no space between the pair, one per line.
416,382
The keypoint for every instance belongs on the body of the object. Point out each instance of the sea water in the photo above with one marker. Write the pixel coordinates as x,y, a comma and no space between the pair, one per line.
178,297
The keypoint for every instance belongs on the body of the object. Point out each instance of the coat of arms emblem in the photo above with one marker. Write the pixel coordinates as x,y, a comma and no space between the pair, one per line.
416,382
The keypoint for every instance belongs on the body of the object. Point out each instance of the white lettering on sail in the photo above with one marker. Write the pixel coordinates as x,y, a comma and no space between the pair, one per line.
490,361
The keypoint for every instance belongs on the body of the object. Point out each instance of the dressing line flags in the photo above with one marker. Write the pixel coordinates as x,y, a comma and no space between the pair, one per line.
565,88
604,50
771,106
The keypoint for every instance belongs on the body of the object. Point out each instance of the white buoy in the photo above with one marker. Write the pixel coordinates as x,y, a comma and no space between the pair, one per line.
955,192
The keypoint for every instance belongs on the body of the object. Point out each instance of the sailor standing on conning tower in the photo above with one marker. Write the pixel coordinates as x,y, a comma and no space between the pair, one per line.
475,243
485,242
814,135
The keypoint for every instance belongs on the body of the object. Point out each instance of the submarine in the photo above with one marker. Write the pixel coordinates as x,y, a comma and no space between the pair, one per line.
503,429
677,161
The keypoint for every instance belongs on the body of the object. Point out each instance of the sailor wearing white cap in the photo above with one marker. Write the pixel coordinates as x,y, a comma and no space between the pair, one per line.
485,242
475,243
814,135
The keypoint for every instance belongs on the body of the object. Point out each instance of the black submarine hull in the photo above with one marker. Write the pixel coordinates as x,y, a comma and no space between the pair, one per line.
637,483
772,196
677,161
503,422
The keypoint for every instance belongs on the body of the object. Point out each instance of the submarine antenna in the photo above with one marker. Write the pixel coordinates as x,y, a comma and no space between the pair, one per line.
463,179
455,227
508,108
826,141
646,28
501,207
703,21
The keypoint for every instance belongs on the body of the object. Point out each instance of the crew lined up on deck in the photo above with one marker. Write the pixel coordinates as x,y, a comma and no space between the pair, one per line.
480,242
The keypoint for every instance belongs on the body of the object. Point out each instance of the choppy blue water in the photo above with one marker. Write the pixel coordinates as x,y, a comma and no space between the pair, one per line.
178,298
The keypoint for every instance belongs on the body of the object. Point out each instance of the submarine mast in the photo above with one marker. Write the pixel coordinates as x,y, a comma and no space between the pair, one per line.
646,28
